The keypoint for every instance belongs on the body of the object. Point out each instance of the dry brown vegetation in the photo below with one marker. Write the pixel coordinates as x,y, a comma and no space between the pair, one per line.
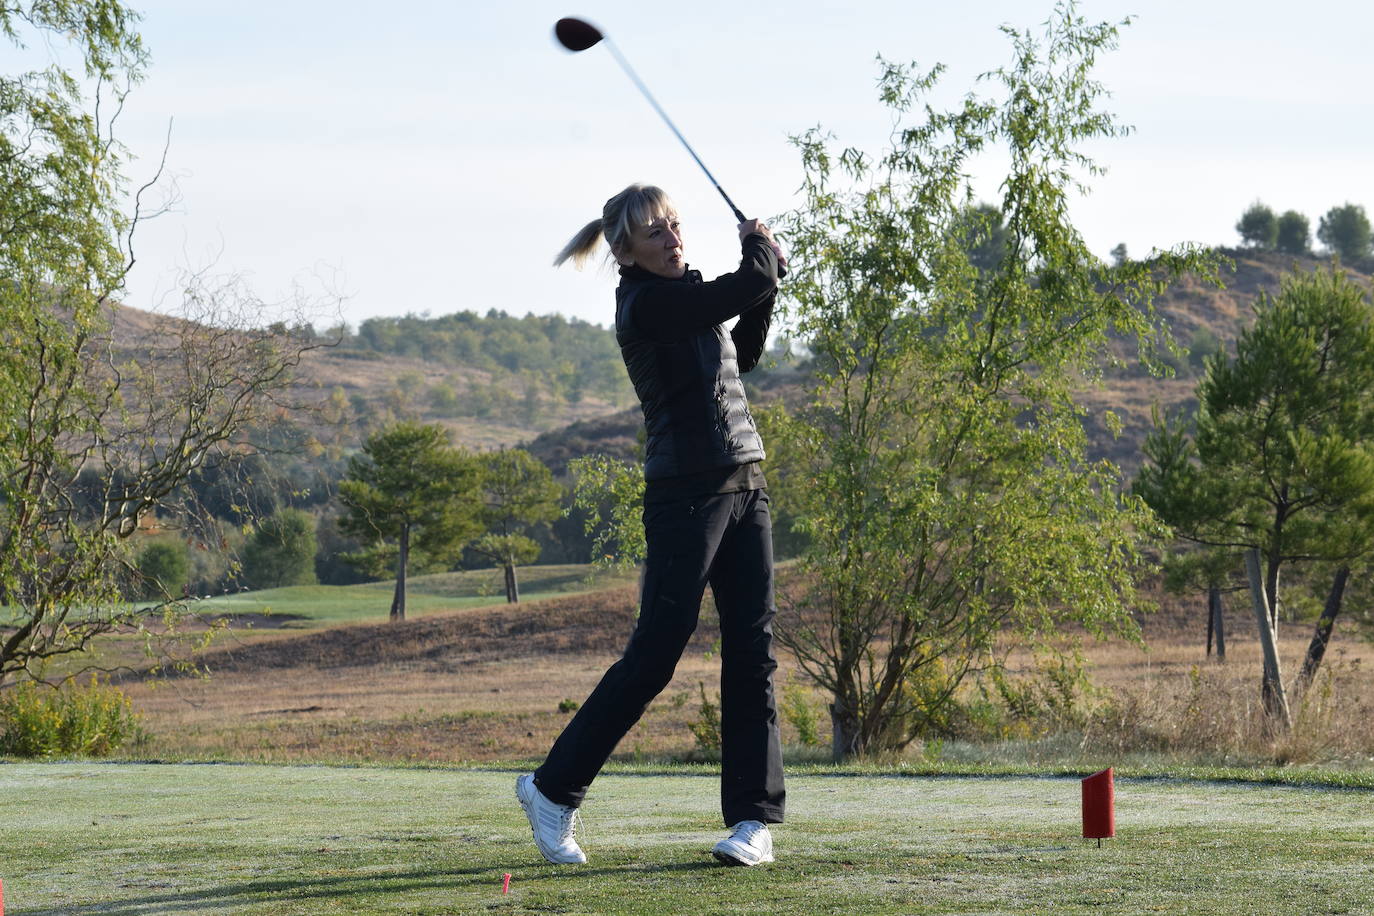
486,684
474,685
1183,708
1168,698
1190,306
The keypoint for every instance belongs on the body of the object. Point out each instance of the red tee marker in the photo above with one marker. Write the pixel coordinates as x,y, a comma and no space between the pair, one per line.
2,898
505,887
1099,806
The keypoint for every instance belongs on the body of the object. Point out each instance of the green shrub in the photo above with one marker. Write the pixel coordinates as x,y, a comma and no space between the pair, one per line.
443,398
94,720
1202,345
706,730
1054,697
801,715
281,551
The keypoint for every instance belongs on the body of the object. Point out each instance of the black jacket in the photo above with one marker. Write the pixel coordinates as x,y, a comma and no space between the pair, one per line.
685,367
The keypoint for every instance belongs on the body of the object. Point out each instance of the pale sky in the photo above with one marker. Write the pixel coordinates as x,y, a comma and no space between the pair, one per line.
433,157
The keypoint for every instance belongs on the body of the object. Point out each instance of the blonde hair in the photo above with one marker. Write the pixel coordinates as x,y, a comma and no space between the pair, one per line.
637,205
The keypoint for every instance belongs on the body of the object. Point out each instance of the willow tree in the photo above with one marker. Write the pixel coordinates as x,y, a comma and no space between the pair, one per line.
940,467
98,431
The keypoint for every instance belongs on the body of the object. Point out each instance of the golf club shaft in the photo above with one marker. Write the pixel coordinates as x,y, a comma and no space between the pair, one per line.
629,71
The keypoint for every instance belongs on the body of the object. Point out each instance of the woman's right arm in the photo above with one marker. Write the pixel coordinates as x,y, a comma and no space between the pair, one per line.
671,311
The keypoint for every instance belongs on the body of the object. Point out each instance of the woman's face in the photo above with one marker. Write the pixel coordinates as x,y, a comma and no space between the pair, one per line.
657,247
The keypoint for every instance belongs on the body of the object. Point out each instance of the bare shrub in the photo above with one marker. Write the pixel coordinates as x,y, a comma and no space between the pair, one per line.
1213,715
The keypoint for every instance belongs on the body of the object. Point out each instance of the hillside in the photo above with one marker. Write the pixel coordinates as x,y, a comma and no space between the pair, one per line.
557,386
1201,316
493,386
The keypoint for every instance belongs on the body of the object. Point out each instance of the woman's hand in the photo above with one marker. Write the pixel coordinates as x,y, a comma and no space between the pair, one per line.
751,226
757,226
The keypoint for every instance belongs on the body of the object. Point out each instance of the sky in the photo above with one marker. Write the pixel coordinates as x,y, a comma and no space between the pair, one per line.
432,157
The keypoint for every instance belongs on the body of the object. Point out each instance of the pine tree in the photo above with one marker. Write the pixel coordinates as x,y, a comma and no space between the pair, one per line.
1280,457
413,499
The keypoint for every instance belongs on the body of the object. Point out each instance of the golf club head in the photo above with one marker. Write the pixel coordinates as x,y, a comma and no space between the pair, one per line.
575,34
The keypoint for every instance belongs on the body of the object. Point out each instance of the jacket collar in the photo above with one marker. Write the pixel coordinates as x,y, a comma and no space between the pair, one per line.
637,274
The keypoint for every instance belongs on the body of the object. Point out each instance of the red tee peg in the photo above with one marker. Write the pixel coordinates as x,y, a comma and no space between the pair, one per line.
505,886
1099,806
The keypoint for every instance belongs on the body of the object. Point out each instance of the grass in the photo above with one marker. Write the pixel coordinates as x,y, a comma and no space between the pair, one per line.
314,606
1208,822
124,839
1212,819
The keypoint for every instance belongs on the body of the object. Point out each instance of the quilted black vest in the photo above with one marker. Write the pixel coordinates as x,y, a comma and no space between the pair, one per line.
695,412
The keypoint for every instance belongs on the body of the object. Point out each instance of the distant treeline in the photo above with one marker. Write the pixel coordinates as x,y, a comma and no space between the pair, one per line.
573,357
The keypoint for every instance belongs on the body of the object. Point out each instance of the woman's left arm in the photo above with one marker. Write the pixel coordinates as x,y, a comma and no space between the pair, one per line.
751,332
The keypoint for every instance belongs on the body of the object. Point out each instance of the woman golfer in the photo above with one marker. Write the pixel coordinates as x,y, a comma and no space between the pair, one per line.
706,520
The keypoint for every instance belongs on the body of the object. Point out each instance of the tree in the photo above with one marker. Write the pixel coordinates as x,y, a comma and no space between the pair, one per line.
517,491
97,431
1345,231
940,466
1210,572
983,234
413,499
281,551
163,569
1295,234
1280,459
1201,345
1258,227
333,548
237,488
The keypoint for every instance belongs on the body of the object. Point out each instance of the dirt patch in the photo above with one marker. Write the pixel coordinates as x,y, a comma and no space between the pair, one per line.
255,621
594,624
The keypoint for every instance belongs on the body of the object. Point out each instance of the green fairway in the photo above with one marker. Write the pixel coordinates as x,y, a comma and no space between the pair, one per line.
121,839
311,606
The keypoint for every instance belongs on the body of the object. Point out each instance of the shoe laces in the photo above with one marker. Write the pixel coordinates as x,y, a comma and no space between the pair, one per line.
748,831
568,824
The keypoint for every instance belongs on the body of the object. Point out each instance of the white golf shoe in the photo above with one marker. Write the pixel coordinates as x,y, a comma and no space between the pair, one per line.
749,843
554,825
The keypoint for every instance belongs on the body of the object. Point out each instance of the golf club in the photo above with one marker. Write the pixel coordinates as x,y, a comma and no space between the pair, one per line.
579,35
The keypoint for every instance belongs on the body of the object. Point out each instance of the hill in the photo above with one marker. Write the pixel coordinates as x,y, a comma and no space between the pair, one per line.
494,380
558,387
1202,317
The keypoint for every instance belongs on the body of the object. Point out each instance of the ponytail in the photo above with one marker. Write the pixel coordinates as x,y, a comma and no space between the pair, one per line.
582,245
637,205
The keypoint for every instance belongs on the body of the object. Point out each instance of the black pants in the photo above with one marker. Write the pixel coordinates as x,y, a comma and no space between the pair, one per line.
724,539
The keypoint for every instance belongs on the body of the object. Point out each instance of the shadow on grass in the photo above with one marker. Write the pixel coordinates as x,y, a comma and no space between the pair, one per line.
344,889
